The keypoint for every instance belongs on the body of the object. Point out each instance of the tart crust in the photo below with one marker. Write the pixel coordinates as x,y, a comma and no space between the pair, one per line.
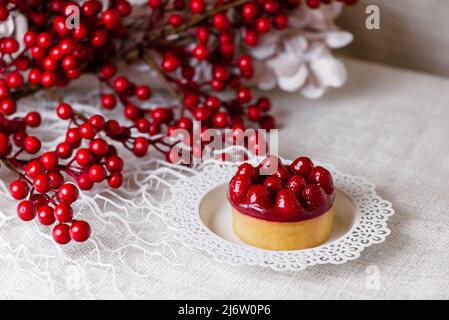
272,235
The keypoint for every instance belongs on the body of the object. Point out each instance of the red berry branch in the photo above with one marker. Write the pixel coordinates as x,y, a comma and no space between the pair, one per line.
176,36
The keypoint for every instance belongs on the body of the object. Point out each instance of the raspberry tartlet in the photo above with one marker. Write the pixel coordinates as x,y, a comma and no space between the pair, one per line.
290,209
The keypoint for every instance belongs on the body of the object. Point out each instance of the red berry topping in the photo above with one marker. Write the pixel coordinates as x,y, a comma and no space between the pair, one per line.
286,199
258,195
273,184
296,183
247,170
282,173
302,166
238,188
61,234
313,196
323,178
80,231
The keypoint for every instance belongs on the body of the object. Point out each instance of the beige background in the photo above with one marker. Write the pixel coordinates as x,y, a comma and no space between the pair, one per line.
414,34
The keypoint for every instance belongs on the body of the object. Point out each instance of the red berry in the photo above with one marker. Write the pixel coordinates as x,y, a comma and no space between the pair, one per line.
34,168
73,137
313,196
64,111
244,95
221,119
170,62
80,231
99,147
247,170
296,183
26,210
250,10
263,24
259,196
175,19
238,188
282,173
251,38
140,146
42,183
8,106
46,216
61,234
68,193
87,131
33,119
115,180
254,113
49,160
321,177
98,122
124,8
273,184
32,145
84,182
286,199
201,52
97,173
302,166
63,212
107,71
5,146
202,34
114,164
48,79
30,39
143,92
245,62
221,22
44,40
185,123
84,157
39,200
64,150
108,101
197,6
121,84
201,114
56,179
110,18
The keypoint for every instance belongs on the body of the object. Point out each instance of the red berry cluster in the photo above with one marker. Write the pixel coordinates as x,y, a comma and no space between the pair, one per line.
178,36
292,190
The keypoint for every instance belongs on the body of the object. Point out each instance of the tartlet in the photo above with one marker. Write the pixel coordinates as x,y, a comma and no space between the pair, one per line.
290,209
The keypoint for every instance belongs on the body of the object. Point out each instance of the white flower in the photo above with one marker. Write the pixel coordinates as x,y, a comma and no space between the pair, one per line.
300,58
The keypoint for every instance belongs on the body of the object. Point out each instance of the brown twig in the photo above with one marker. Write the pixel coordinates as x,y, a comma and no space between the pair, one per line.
153,64
158,34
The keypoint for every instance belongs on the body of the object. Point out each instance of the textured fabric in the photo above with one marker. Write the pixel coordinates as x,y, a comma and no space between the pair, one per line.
412,34
388,125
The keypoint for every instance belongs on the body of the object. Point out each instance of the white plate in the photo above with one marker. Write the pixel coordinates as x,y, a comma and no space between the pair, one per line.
200,215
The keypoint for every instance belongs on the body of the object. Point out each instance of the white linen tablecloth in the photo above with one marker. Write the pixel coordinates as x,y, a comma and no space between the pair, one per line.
389,125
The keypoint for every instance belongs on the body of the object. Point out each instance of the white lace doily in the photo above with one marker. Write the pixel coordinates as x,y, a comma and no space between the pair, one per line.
182,213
